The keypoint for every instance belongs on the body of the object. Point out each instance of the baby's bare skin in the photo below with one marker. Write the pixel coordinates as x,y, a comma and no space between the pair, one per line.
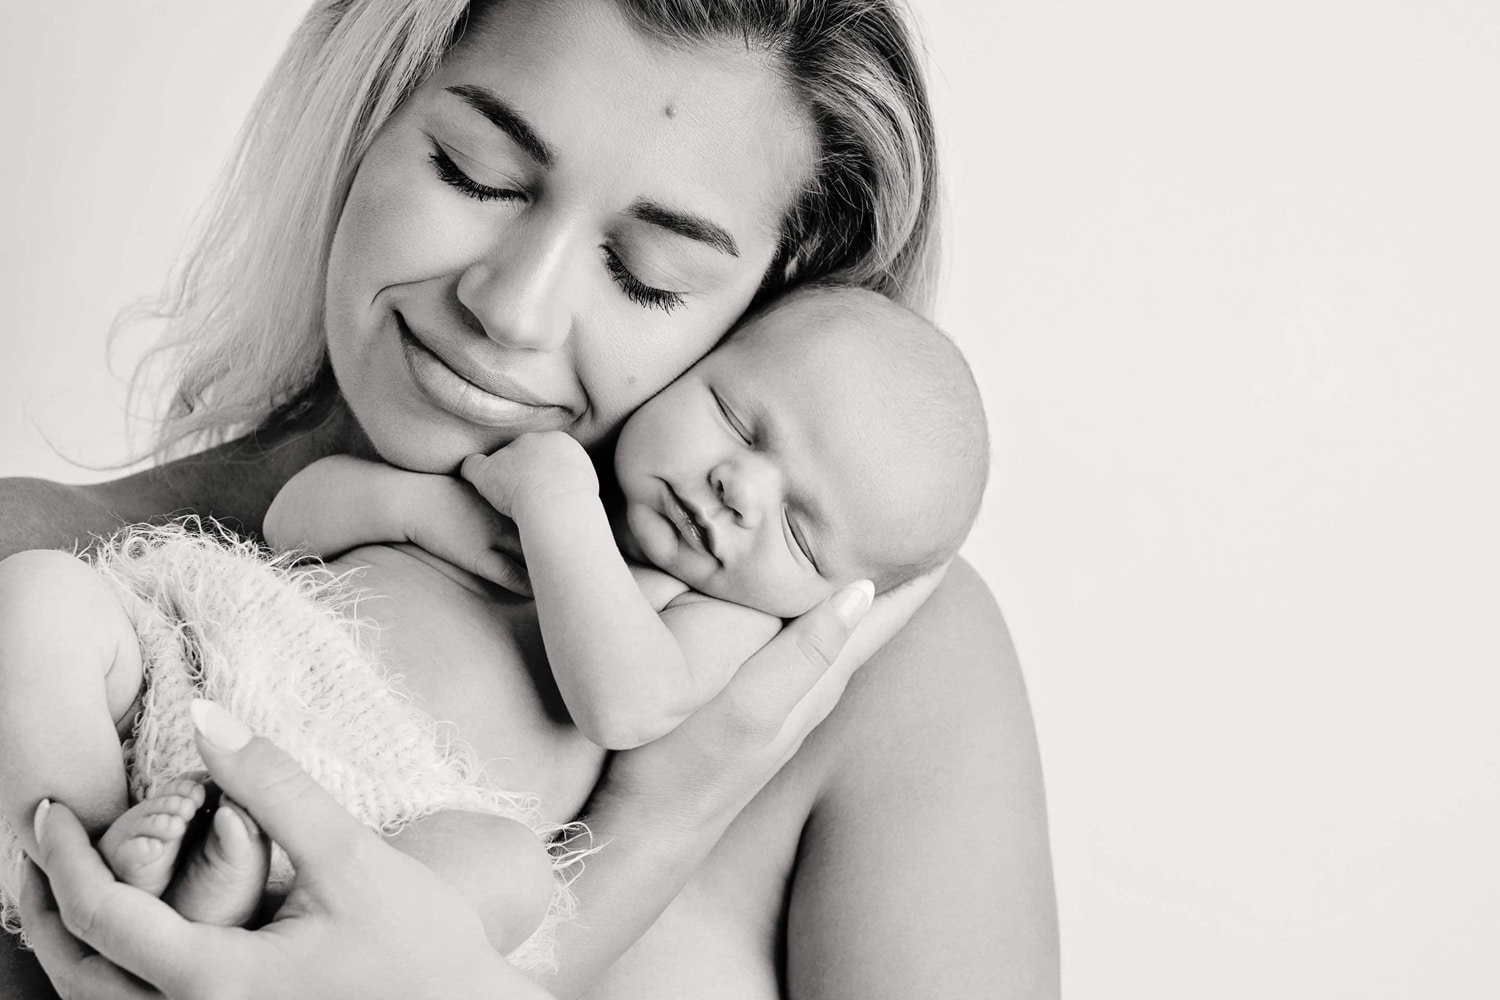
216,879
468,657
142,845
473,656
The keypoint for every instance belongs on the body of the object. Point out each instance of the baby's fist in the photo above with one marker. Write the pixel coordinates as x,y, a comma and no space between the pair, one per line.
536,468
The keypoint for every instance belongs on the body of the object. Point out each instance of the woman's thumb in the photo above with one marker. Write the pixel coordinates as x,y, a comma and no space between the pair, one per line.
293,809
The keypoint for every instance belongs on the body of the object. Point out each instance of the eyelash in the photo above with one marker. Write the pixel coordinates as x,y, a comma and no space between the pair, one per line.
797,541
734,424
743,435
635,290
449,174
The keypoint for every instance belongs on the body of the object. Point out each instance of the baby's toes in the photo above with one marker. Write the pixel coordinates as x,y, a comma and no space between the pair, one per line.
159,826
141,846
188,788
131,856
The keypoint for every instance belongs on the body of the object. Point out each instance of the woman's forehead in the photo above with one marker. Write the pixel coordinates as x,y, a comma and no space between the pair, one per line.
710,124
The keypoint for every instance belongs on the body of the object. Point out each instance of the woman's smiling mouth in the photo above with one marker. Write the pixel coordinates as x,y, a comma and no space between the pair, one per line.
474,394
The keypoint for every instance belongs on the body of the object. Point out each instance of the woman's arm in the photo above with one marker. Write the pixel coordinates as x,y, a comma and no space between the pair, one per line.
662,808
925,869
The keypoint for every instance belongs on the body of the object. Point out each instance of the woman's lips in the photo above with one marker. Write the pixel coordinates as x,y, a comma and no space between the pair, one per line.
473,394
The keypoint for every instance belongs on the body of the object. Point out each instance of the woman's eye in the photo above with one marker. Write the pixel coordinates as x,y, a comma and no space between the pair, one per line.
733,421
636,290
449,173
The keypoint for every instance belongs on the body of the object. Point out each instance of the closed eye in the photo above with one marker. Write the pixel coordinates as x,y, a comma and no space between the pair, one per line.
733,421
799,542
637,290
449,173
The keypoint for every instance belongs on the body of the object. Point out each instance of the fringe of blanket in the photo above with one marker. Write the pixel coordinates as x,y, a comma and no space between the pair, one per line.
279,643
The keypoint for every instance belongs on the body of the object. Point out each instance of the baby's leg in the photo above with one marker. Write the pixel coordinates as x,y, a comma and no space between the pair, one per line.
499,866
70,670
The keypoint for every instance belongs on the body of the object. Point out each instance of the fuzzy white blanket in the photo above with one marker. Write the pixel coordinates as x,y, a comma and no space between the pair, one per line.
280,645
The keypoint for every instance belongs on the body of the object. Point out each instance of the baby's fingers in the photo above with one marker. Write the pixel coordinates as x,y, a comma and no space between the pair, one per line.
503,571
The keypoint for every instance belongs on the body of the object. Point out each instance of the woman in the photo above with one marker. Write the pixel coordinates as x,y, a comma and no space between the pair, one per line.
531,215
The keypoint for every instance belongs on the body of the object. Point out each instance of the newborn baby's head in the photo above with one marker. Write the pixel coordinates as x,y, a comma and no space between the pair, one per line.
833,435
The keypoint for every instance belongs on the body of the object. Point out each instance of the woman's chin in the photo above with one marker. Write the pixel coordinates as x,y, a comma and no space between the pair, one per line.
427,449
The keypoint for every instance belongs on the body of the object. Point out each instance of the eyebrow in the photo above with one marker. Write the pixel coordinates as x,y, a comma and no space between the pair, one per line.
694,227
507,119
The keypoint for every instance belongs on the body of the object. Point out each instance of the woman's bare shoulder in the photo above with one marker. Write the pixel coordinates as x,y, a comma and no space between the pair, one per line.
40,514
929,819
953,662
233,482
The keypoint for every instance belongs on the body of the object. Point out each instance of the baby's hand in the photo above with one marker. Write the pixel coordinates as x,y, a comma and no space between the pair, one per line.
532,471
449,519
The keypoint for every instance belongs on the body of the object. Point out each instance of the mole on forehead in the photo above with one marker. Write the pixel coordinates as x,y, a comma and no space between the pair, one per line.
669,109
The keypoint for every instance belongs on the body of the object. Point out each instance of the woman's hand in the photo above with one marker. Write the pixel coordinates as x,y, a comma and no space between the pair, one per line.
663,806
362,921
709,767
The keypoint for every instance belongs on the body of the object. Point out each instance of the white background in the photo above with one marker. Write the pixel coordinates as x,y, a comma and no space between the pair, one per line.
1230,275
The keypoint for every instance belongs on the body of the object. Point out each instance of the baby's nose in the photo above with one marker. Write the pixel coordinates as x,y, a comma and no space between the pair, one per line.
748,486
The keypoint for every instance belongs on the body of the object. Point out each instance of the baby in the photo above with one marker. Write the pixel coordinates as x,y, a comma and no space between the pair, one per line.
833,436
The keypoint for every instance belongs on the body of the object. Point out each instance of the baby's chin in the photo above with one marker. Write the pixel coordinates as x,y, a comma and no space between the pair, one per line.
651,540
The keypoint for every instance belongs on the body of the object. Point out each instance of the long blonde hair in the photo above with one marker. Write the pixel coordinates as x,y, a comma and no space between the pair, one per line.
244,338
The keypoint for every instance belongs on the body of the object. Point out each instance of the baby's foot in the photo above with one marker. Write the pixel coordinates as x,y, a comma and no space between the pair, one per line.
220,881
141,846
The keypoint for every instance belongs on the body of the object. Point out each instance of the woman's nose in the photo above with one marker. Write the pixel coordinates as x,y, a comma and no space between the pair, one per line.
516,292
748,485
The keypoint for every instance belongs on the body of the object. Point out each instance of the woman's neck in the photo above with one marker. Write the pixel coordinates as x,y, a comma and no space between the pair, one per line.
235,482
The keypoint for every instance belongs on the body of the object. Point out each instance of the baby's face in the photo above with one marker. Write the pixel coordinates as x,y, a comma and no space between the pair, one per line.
766,475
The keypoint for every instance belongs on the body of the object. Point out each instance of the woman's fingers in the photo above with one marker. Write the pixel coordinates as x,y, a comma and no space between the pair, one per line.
318,834
84,908
76,972
887,615
779,676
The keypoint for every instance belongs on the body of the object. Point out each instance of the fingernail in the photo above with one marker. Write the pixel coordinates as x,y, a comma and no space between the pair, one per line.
851,603
40,819
217,726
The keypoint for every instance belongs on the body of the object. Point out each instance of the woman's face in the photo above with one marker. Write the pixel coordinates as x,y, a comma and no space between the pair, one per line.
555,225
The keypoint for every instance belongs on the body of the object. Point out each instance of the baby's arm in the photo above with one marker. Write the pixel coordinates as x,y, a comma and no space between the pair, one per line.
340,503
626,675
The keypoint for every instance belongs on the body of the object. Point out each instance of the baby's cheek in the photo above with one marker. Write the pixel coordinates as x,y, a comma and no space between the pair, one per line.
780,591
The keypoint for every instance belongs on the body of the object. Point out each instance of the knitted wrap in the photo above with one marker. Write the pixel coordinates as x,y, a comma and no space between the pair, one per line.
279,644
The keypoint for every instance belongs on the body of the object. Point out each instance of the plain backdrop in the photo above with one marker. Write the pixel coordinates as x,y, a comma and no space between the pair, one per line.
1229,274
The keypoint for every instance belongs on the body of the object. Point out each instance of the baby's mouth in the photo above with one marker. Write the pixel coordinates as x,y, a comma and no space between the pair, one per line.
694,531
